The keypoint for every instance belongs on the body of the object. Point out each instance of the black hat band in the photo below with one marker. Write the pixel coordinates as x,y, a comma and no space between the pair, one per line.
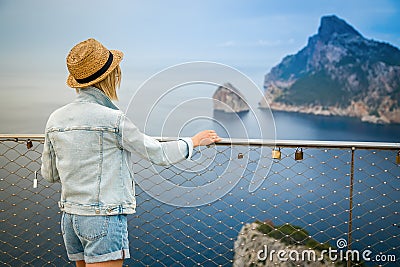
98,73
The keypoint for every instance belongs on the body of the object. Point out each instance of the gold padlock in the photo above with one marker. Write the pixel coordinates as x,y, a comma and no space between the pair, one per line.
276,153
398,157
298,155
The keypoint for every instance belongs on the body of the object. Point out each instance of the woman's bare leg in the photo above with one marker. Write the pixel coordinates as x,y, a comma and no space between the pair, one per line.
116,263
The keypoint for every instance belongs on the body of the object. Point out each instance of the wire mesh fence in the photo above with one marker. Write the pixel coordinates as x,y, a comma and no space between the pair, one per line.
313,199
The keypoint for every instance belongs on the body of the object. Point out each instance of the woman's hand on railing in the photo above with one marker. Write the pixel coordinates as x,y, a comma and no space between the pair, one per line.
205,138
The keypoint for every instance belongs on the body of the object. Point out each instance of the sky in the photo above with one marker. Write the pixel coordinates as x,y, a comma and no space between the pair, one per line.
252,36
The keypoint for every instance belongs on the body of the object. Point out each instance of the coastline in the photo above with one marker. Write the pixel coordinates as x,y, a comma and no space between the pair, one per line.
331,112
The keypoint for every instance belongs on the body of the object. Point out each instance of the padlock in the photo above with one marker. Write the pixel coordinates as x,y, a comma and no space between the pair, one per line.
240,155
398,157
276,153
29,144
298,155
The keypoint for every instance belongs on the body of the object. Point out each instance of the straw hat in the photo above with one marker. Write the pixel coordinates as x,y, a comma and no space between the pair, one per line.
89,62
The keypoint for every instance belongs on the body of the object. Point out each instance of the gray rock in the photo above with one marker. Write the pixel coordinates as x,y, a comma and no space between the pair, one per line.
253,248
228,99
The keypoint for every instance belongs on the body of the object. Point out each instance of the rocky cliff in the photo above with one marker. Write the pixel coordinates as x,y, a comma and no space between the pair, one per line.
339,72
228,99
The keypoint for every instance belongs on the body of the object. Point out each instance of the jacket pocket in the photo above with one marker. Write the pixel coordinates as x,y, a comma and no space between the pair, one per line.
91,228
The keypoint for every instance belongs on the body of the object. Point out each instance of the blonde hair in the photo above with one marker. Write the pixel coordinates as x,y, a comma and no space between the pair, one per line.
110,84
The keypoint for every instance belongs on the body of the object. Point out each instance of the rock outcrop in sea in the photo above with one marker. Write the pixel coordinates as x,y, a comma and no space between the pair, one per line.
228,99
339,72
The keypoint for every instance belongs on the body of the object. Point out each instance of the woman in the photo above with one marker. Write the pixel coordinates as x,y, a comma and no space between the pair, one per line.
87,147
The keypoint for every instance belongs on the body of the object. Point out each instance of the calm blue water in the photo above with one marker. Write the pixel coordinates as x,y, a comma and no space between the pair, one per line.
184,112
206,235
308,194
313,127
296,126
184,236
284,196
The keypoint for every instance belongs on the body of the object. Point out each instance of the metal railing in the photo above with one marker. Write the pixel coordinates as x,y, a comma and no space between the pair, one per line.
341,196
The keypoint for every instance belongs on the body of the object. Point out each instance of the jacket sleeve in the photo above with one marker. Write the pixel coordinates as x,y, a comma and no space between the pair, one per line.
160,153
48,169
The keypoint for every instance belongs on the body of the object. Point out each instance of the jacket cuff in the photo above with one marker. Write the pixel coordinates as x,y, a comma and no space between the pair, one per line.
189,144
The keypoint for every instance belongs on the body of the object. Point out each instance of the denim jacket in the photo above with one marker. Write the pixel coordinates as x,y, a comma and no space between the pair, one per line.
87,147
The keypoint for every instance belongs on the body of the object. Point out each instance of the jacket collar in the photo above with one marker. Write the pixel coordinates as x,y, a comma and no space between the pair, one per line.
94,95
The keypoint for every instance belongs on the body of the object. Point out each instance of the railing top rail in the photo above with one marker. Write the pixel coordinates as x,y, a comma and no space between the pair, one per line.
21,136
258,142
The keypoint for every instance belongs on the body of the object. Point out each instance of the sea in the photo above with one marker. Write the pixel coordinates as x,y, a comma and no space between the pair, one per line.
159,107
185,111
164,235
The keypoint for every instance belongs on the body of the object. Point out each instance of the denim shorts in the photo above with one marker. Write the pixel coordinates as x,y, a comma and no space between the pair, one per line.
95,238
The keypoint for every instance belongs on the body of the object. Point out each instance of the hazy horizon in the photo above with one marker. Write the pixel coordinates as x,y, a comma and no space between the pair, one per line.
249,36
